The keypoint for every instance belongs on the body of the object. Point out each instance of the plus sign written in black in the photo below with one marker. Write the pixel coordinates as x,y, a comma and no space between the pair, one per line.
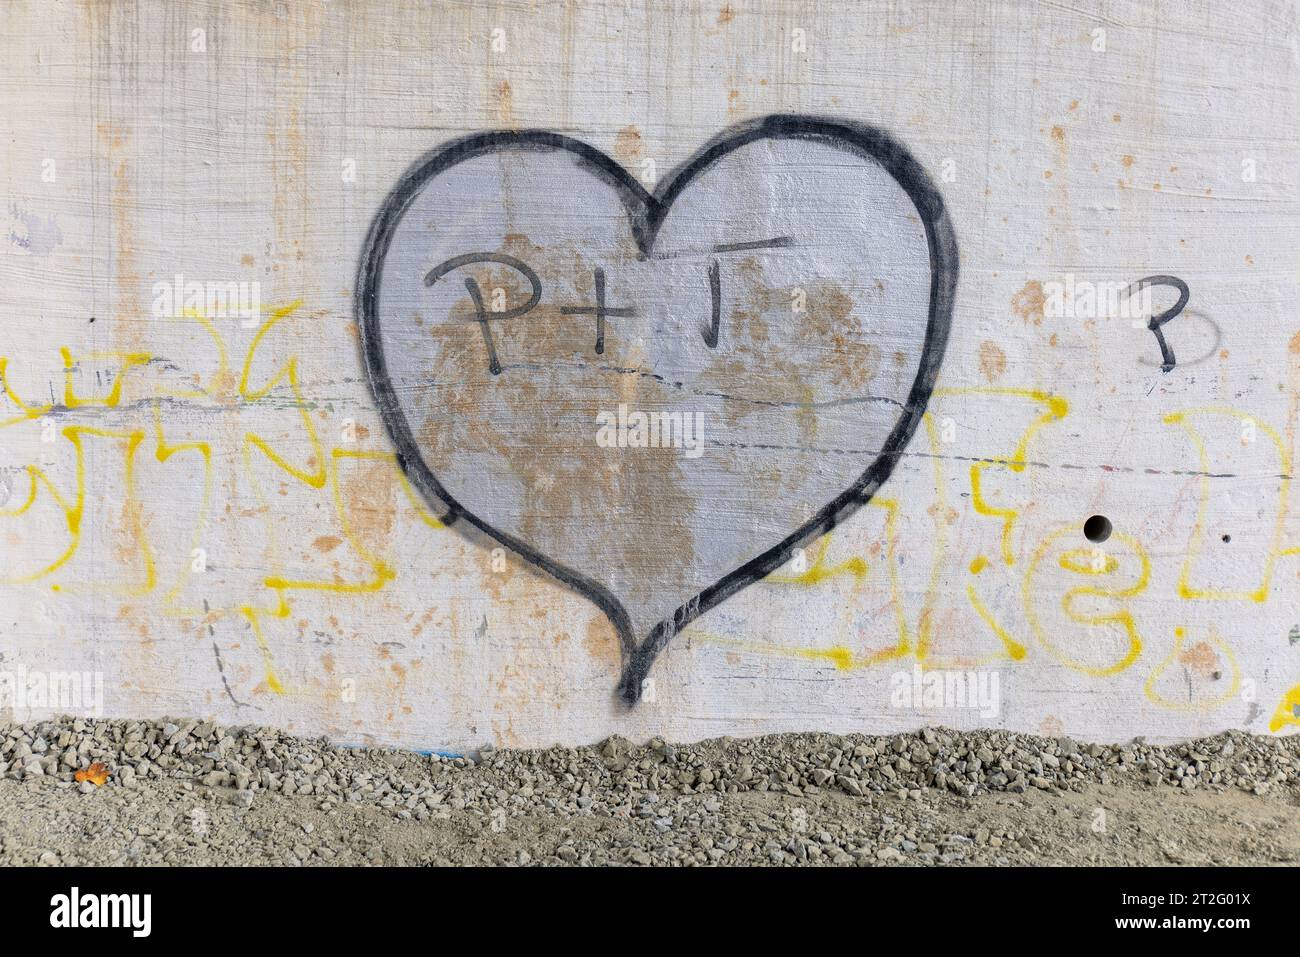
599,310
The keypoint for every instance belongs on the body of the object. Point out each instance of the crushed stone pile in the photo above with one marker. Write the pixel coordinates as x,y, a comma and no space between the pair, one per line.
798,798
252,759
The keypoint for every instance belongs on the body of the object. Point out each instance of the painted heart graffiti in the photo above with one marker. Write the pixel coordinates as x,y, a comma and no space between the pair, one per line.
657,397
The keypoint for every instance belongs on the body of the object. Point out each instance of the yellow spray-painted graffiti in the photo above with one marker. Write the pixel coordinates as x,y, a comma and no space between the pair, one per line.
1186,421
1094,563
1088,626
1053,408
318,472
1100,607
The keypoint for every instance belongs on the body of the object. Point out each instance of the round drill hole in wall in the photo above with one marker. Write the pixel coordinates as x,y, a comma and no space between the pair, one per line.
1097,528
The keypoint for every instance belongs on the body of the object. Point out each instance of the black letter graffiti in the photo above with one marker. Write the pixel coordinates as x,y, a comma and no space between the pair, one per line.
715,296
1160,319
481,314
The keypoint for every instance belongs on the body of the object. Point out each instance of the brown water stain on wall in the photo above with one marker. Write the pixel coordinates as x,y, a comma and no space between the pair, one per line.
369,491
326,543
1030,302
628,144
129,335
1201,658
505,103
557,474
600,641
993,361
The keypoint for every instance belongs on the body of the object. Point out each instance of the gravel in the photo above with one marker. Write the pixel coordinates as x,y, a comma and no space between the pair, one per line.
188,791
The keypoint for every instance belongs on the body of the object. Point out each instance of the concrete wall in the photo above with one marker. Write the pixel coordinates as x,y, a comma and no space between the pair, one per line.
936,347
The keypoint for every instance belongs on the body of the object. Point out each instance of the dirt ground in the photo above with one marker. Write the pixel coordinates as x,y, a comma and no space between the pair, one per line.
1099,825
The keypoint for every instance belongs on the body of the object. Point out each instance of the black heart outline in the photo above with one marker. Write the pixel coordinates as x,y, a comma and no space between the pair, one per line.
646,213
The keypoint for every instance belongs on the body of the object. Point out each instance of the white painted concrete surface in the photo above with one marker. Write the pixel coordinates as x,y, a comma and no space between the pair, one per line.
203,510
